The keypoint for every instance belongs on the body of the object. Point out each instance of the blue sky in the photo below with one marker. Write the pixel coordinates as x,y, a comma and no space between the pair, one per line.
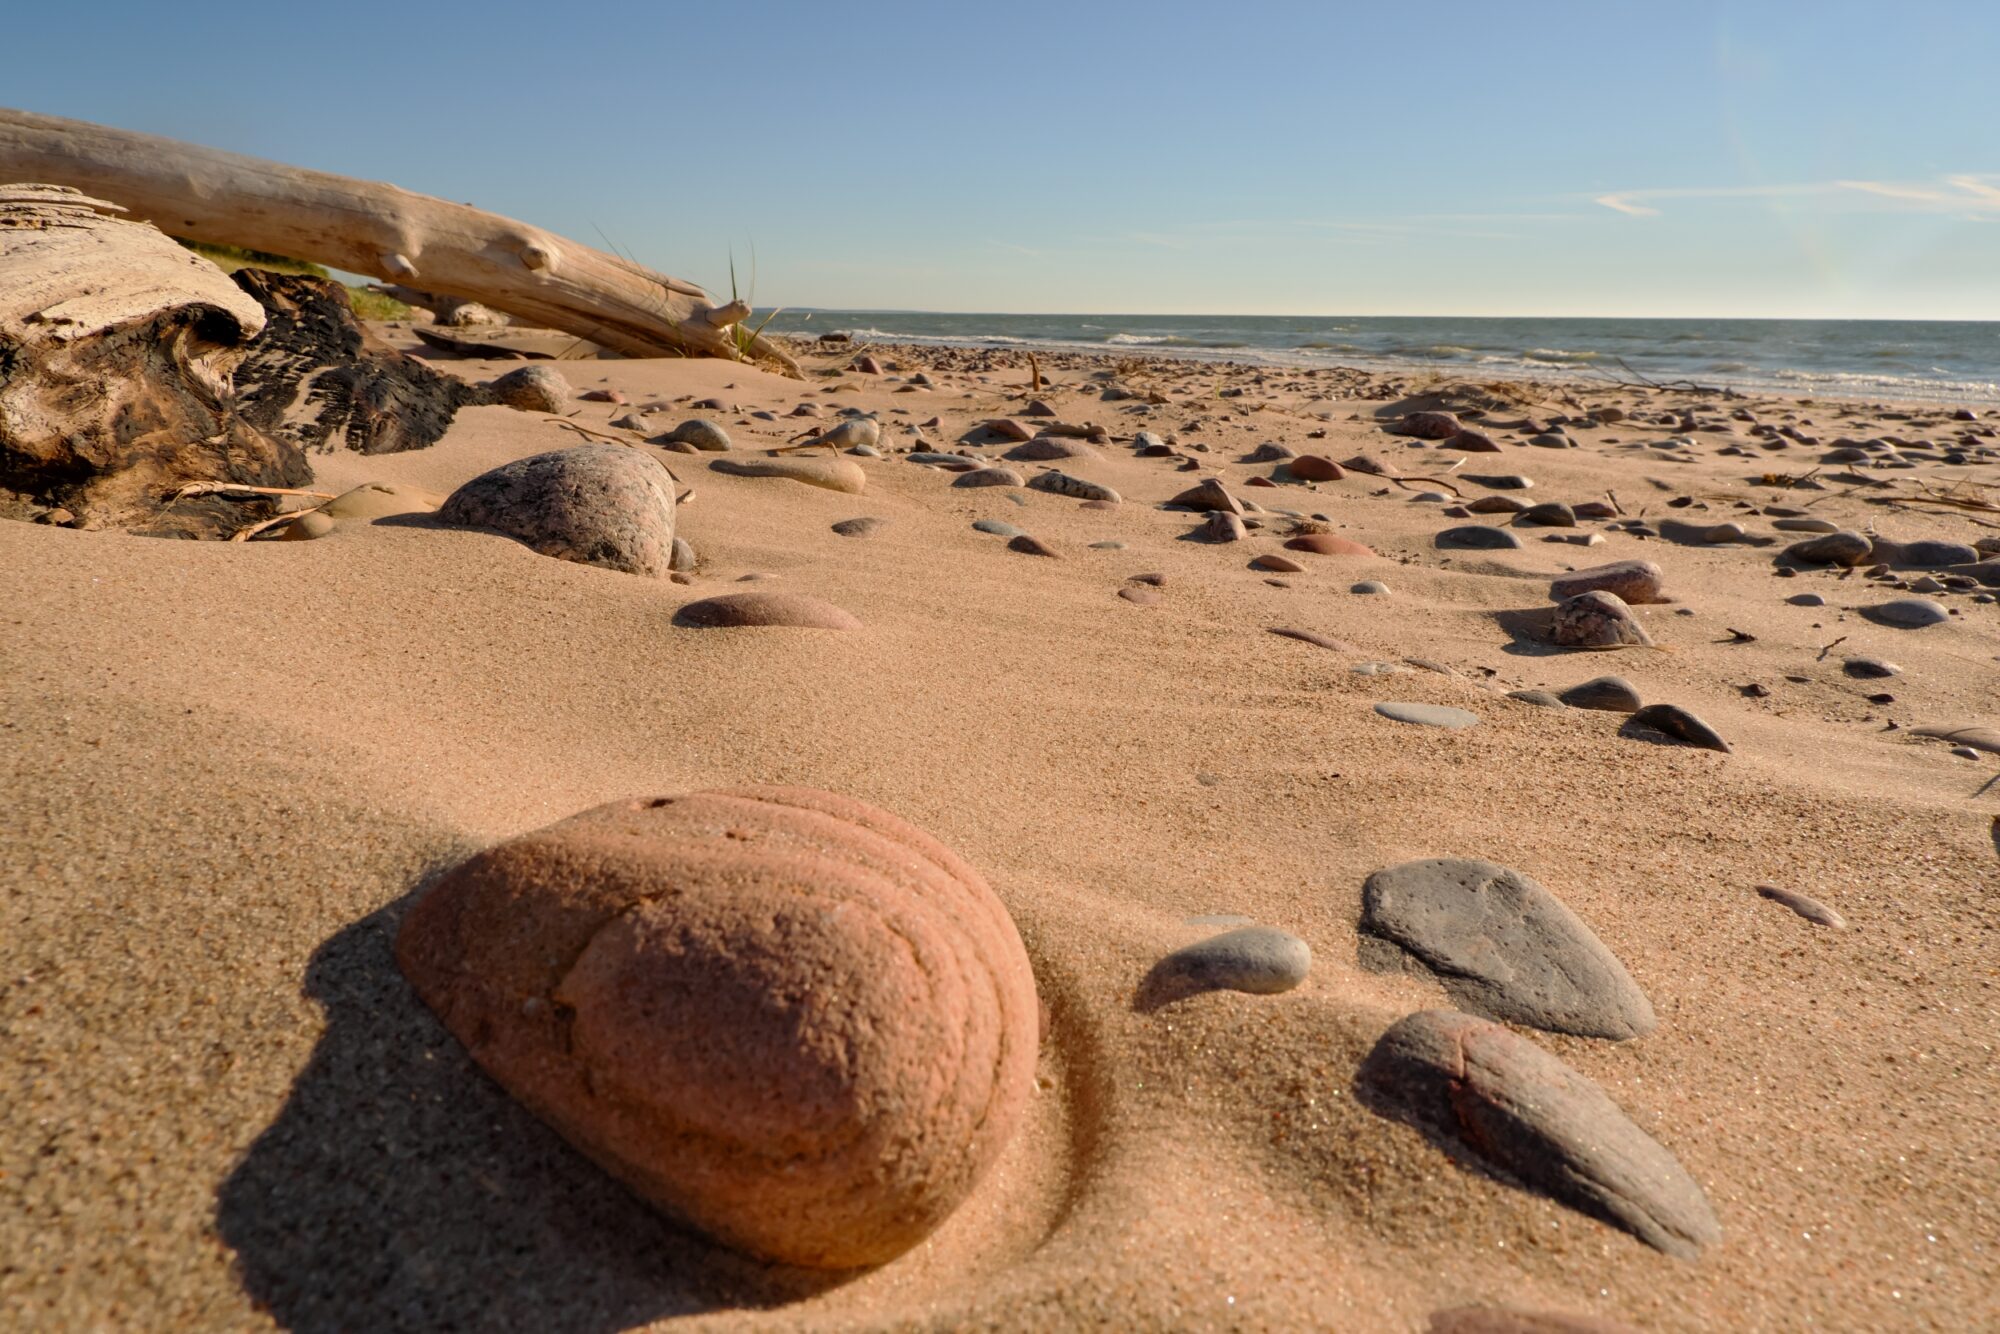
1756,159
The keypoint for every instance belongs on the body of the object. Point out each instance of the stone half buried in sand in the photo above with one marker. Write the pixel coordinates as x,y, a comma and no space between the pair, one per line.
1508,1320
1598,619
1326,544
1499,1100
608,505
780,1015
762,607
1505,947
831,474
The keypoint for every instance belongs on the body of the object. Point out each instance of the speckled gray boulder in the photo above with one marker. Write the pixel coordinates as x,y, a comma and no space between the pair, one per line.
1598,620
1502,1101
608,505
701,433
532,389
1505,947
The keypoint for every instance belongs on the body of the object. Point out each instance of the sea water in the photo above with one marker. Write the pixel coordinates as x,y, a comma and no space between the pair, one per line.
1893,360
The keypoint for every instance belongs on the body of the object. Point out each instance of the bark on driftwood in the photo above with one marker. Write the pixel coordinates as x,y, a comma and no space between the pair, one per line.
368,227
316,373
116,352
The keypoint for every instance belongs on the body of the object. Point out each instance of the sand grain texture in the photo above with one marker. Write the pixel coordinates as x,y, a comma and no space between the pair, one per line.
228,769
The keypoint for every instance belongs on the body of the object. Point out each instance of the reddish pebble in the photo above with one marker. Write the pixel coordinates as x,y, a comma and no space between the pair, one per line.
1278,564
786,609
1142,597
1316,468
1326,544
1031,546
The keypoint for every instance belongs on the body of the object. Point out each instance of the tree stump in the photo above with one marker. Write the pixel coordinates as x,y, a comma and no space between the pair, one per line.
117,348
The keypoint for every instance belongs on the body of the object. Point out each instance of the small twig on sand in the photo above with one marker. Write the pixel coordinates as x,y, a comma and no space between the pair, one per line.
245,534
1035,374
236,489
1830,648
1613,497
1434,481
592,433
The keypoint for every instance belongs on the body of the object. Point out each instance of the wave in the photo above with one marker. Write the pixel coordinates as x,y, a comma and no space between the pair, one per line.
1139,340
1562,356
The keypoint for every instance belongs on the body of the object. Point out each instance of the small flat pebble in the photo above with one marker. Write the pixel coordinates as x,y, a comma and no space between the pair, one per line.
1680,724
1326,544
1029,545
1868,668
765,609
1908,613
865,525
1312,637
1261,960
1608,694
1810,909
997,528
1426,715
1477,537
1140,596
1370,587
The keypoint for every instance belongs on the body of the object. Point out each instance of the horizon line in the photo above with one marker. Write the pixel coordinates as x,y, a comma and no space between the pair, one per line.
1262,315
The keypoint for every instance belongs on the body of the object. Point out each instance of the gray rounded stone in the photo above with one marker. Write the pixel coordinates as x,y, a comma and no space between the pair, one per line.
1374,587
1505,947
597,504
1261,960
997,528
1539,698
864,525
1908,613
1504,1101
1607,694
1426,715
702,434
1477,537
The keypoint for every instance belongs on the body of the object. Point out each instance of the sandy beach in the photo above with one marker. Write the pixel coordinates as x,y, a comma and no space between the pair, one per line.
230,769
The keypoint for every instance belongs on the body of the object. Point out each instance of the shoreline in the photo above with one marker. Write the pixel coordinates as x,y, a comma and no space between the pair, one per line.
1794,378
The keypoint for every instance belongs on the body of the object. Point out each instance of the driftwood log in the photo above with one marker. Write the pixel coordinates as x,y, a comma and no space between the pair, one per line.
367,227
117,349
318,378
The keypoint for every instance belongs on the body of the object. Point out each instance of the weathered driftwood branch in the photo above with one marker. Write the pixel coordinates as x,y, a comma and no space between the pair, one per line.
367,227
116,354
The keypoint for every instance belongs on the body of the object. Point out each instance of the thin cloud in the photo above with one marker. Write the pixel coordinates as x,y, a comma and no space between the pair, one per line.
1964,194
